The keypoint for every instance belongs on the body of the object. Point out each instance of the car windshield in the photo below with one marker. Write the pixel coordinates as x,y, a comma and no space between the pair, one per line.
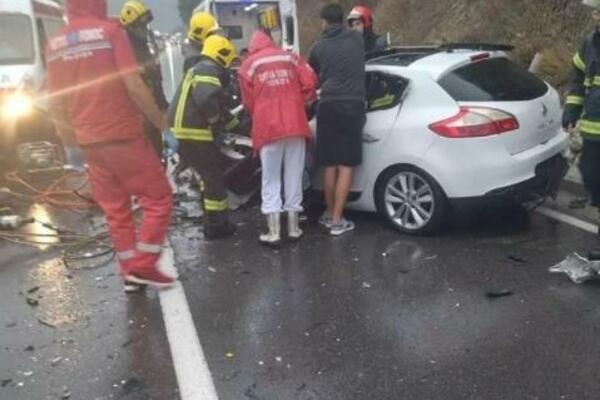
496,79
16,39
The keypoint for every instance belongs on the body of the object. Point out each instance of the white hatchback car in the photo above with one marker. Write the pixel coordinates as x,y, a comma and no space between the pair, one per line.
451,125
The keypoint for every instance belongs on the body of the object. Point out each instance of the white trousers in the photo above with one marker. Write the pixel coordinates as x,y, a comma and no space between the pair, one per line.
287,155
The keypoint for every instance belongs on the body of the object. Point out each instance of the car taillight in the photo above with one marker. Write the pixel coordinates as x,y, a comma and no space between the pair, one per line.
476,122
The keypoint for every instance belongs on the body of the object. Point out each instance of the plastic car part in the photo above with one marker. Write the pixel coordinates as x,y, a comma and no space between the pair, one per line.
577,268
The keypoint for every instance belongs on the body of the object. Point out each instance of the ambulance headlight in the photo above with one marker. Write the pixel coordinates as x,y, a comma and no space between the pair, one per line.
17,105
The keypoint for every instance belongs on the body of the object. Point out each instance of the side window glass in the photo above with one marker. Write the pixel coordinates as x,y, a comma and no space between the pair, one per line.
384,91
42,37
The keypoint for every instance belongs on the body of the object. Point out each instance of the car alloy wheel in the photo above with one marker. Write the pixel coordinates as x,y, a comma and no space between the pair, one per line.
409,201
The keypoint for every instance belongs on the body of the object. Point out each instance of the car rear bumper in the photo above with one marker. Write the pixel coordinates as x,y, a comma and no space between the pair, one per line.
548,177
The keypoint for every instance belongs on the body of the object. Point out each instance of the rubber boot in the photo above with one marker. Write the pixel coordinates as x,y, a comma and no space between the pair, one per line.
294,231
273,237
218,226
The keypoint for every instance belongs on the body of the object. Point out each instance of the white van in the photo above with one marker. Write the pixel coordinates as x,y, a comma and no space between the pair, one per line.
240,18
25,26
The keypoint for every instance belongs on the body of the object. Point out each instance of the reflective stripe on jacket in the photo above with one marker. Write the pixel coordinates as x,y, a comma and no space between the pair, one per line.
199,108
583,98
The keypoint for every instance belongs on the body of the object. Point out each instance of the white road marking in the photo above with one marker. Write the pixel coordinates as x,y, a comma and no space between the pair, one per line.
193,376
568,219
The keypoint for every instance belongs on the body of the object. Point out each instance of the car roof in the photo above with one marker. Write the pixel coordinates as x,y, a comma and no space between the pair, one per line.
436,60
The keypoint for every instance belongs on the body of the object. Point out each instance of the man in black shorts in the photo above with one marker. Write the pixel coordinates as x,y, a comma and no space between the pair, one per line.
338,57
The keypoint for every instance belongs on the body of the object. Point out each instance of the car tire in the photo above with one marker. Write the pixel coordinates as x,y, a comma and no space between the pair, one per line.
411,200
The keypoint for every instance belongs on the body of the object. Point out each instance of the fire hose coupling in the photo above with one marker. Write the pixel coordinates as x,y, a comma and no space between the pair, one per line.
12,222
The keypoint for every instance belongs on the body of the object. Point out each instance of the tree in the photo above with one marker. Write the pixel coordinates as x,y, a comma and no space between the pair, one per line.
186,8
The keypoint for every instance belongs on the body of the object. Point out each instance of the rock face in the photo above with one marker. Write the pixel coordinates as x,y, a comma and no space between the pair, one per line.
553,28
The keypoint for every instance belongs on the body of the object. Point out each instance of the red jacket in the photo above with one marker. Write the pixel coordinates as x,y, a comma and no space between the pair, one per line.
276,85
86,62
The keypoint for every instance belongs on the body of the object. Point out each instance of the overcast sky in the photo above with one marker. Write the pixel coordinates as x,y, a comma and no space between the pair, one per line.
166,16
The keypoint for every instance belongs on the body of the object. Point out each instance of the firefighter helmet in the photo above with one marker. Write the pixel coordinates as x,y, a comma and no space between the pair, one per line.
202,25
134,11
220,49
592,3
364,14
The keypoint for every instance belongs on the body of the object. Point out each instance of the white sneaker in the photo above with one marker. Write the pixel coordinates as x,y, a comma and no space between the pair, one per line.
340,227
325,221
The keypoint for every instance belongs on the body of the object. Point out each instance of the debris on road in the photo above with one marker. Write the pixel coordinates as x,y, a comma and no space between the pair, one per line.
33,289
496,294
517,259
46,323
32,302
29,348
54,362
577,268
5,382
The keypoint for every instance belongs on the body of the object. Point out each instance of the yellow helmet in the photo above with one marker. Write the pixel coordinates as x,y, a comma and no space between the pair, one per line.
202,24
134,11
220,49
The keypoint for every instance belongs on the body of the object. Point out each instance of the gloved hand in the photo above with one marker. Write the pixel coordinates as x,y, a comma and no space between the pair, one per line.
171,144
571,115
74,157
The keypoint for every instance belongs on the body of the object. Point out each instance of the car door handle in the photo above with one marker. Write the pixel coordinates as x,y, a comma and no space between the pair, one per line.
368,138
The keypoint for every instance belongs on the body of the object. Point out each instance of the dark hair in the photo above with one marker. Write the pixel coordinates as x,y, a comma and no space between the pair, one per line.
333,14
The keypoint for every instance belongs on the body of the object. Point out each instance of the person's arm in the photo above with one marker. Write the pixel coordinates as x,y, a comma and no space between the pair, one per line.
576,94
137,89
246,89
142,97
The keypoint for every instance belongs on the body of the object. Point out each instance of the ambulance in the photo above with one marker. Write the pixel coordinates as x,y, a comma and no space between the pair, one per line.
25,26
240,18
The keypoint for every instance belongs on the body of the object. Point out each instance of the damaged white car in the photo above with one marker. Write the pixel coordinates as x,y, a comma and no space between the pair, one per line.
452,125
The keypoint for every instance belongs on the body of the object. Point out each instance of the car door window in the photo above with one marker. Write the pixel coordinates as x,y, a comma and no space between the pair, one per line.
384,91
42,38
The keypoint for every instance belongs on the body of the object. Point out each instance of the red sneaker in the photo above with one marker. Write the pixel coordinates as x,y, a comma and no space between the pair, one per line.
150,277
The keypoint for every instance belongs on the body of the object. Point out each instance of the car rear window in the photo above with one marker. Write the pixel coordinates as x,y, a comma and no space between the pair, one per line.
496,79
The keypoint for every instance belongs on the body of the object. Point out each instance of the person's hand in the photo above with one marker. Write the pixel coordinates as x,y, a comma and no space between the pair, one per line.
171,144
74,157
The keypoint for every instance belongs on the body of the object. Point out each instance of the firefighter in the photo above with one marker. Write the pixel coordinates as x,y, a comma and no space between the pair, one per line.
583,106
198,114
361,20
99,101
135,17
202,25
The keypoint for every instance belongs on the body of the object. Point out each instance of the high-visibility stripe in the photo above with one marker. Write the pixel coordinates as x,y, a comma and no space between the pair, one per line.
215,205
206,79
232,124
575,100
179,130
199,135
590,127
149,248
269,60
185,89
126,255
578,62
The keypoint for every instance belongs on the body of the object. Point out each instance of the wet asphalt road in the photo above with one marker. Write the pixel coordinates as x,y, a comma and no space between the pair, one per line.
371,315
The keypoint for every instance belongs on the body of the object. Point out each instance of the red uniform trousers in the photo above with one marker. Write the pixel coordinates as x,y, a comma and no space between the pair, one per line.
118,171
